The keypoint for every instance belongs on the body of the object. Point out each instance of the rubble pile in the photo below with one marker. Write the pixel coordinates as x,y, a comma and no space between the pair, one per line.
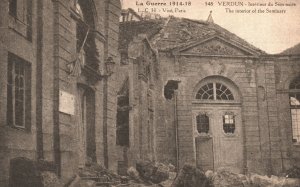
224,178
293,173
153,172
50,179
27,173
97,171
148,173
273,181
190,176
94,174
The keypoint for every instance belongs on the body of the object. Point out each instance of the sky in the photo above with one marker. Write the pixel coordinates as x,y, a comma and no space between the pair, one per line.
271,32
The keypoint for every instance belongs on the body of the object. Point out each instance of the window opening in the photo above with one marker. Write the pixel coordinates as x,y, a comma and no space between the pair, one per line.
202,123
86,46
123,116
18,92
214,91
123,121
21,10
295,108
13,8
229,123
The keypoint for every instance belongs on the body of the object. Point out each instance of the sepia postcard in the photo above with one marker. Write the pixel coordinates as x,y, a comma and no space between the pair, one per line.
170,93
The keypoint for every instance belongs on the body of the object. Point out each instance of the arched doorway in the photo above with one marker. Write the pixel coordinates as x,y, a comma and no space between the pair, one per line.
217,123
85,112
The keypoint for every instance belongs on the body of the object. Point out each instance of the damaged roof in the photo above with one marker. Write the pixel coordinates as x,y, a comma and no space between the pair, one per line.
180,32
131,29
295,50
167,34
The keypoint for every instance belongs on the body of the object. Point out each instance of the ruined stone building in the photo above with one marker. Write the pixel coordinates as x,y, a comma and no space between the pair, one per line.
82,81
221,102
58,100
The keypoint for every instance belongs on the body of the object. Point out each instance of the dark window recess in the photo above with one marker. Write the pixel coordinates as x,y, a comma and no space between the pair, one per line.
21,10
18,92
12,8
124,58
29,20
88,110
123,121
229,123
84,34
81,32
295,108
295,84
169,89
202,123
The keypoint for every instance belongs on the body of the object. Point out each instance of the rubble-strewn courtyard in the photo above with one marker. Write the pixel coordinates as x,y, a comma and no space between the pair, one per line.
147,173
92,94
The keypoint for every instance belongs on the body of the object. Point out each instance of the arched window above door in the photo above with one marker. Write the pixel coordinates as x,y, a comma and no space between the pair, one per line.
214,91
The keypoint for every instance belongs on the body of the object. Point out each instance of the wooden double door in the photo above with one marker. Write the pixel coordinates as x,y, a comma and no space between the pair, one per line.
221,145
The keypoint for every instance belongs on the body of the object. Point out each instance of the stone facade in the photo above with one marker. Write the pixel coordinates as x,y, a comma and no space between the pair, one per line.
193,53
138,74
46,40
222,56
60,102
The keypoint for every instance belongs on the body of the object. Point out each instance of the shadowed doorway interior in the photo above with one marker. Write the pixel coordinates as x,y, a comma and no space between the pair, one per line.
86,124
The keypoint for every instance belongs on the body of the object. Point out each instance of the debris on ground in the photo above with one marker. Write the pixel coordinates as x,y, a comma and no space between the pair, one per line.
146,173
293,172
273,181
172,168
27,173
152,172
161,173
50,179
190,176
224,178
134,174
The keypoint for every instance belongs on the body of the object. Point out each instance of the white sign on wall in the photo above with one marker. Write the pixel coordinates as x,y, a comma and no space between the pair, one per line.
66,103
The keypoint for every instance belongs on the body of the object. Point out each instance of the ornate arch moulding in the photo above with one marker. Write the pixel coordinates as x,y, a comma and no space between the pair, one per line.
217,66
216,46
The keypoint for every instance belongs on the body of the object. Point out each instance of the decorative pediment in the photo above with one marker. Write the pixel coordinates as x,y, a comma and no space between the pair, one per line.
215,46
